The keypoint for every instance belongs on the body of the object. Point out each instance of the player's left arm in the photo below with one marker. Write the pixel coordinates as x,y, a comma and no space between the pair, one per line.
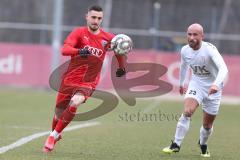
121,71
222,70
121,59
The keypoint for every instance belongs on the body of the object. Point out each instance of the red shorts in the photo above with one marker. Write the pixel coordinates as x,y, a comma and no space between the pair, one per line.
75,81
64,98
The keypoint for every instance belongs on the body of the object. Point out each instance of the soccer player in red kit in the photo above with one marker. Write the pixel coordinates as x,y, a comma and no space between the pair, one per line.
87,47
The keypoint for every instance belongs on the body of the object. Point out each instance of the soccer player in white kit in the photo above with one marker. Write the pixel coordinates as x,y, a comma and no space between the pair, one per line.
205,87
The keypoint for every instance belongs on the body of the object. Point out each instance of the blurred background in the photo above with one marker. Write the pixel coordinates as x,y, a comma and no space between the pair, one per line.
153,24
32,32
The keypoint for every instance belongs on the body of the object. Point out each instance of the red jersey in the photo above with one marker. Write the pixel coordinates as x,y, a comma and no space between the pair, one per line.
85,72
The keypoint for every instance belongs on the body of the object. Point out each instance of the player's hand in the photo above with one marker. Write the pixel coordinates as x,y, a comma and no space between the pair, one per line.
84,53
213,89
120,72
182,90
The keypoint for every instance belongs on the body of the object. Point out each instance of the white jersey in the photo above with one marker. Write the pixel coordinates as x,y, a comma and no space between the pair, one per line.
207,65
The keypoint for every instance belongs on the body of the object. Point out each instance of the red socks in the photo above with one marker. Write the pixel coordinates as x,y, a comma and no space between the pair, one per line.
65,118
54,122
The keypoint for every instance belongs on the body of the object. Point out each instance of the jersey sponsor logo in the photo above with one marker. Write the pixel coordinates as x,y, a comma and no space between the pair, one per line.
94,51
200,70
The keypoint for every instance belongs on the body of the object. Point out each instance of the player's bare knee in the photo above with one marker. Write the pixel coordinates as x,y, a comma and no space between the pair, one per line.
77,99
207,126
188,112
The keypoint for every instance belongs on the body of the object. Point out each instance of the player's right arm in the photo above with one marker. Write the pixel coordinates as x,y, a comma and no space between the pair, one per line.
183,72
70,43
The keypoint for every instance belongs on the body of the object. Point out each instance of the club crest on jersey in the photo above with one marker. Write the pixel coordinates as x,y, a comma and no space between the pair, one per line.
104,43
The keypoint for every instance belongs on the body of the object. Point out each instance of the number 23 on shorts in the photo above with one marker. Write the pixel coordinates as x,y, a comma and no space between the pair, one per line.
193,92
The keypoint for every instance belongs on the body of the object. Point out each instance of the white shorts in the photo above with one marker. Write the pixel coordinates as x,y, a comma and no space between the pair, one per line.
210,104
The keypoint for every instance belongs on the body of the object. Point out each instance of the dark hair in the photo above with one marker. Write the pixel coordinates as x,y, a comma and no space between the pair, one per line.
95,8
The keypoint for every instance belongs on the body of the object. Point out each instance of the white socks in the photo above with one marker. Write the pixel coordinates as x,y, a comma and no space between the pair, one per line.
55,134
182,128
204,135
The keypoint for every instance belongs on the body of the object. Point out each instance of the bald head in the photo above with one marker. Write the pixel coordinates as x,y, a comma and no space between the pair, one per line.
195,36
196,28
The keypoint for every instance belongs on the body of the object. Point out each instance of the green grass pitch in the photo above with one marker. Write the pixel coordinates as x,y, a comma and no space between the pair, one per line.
126,133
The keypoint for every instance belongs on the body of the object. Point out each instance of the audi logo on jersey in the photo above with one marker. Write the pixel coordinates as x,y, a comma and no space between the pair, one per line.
94,51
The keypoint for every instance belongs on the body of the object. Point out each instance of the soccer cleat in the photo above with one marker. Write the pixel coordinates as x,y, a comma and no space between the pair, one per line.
173,148
204,150
46,150
49,144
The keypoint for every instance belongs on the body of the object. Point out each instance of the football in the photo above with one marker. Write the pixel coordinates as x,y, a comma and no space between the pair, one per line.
121,44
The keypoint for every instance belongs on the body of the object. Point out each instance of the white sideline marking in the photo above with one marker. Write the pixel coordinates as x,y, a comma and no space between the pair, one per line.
27,139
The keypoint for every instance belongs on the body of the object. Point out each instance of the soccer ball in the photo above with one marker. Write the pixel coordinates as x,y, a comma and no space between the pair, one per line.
121,44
